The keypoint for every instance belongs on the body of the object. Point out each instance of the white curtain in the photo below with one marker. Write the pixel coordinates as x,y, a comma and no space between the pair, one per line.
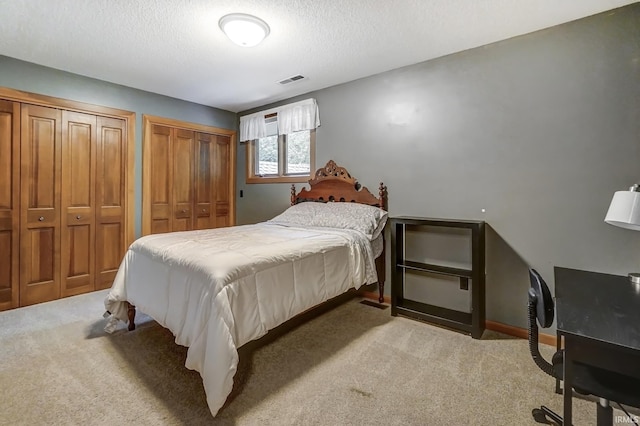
303,115
252,127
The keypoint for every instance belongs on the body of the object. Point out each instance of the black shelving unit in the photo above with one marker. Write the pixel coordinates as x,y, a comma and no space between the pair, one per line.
469,322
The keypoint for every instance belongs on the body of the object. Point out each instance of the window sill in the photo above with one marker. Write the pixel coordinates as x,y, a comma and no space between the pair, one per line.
279,179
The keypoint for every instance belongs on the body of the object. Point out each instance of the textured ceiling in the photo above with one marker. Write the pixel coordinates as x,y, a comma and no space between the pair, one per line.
175,48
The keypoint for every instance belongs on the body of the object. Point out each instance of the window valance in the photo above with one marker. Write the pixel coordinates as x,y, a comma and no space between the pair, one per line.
303,115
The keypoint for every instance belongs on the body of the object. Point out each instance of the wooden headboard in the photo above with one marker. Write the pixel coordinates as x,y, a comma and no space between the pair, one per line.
334,183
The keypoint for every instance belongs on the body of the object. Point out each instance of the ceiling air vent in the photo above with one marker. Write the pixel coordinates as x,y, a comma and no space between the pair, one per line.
291,79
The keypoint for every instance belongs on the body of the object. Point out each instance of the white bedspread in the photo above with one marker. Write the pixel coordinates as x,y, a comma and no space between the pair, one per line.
218,289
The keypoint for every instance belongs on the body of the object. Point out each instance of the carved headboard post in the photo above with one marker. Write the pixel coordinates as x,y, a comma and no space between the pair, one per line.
382,195
380,260
293,193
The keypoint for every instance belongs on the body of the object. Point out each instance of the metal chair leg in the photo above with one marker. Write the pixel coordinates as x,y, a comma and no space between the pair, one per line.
604,413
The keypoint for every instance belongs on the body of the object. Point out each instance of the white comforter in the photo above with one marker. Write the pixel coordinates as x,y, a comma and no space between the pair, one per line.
218,289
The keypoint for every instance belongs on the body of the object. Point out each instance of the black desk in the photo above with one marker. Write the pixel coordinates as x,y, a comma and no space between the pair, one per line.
599,317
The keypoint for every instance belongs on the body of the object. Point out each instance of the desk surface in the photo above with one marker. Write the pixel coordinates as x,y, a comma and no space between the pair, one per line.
598,306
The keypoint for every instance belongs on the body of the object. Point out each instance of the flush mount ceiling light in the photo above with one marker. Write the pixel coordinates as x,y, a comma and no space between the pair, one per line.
244,30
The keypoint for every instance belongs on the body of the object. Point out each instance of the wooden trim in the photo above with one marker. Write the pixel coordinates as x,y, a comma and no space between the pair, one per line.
373,295
250,177
278,179
171,122
130,123
147,122
233,175
130,179
510,330
50,101
146,174
523,333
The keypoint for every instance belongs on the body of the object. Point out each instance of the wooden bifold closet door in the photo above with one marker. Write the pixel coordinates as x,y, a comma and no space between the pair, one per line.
78,201
9,203
63,201
72,214
40,183
188,176
111,199
171,172
92,201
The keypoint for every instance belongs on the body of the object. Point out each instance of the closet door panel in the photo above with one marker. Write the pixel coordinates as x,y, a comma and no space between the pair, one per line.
204,195
9,203
78,202
110,199
40,179
159,167
182,147
7,268
222,180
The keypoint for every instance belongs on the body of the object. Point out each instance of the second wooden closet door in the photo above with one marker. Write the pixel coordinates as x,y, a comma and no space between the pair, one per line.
211,180
188,176
172,176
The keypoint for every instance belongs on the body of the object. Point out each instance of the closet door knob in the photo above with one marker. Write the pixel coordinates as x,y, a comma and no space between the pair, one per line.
41,218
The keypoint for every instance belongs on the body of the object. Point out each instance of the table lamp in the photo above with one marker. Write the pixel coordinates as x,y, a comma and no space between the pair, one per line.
624,212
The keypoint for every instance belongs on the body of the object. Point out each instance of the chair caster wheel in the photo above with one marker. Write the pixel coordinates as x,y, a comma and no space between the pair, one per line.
546,416
539,416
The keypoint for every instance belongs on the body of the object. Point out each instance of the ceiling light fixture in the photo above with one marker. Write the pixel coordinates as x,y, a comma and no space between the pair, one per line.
244,30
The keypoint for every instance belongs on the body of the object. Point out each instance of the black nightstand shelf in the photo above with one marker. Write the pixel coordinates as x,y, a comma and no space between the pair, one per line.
413,255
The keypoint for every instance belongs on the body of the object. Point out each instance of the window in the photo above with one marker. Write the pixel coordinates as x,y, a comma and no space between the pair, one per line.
281,142
283,158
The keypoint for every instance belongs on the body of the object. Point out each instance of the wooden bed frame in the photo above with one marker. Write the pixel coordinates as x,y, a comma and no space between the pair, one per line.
331,183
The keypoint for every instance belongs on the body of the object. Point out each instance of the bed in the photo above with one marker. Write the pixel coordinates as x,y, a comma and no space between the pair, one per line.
218,289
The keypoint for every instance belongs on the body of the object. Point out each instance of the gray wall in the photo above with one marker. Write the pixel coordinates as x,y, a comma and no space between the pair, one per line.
33,78
539,130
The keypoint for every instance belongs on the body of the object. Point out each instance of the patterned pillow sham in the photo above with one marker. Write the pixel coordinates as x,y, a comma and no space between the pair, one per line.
369,220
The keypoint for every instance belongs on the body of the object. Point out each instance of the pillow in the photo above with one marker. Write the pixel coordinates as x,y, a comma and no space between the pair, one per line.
298,214
369,220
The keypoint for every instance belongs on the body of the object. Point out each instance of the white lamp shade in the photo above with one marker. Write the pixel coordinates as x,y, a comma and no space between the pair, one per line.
624,210
244,30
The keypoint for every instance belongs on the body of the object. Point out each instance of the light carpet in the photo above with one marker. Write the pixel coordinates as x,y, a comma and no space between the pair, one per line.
354,365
